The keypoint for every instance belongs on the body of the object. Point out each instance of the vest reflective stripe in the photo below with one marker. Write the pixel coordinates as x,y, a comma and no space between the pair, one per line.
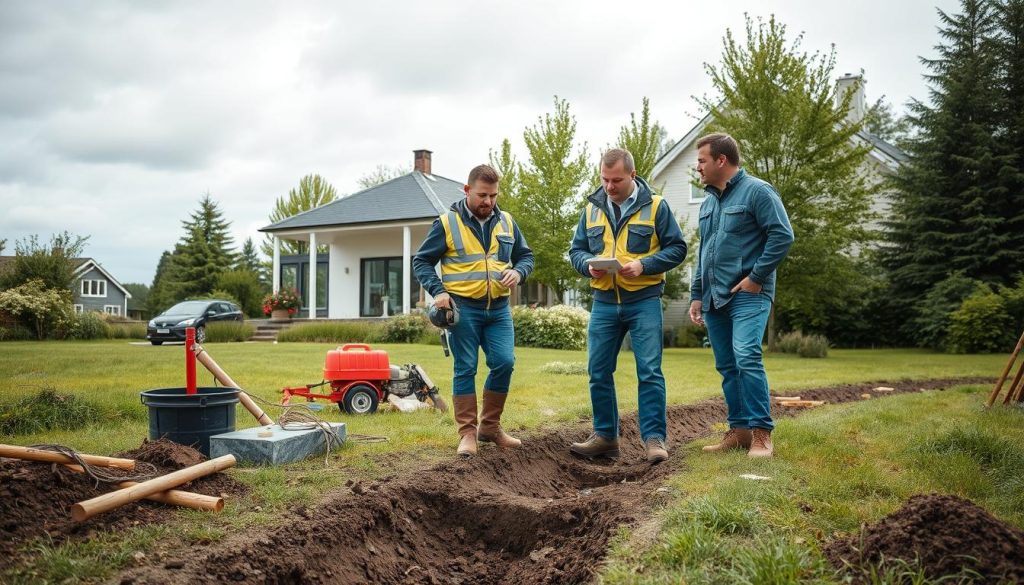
467,269
619,247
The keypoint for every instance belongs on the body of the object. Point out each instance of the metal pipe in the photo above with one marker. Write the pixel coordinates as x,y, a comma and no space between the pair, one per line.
204,358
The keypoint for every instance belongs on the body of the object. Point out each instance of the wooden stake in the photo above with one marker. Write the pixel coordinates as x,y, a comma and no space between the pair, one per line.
173,497
785,398
254,409
1012,390
30,454
802,403
1006,372
89,508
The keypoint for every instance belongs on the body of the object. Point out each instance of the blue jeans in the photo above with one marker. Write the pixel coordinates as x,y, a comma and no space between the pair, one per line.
608,326
735,332
492,330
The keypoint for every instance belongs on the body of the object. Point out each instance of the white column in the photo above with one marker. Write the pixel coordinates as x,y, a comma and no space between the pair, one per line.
275,278
312,276
406,269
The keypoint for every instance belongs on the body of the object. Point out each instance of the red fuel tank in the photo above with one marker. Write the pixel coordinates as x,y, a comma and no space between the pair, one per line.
356,361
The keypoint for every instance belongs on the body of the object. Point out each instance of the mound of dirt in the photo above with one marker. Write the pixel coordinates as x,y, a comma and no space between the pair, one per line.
36,498
943,535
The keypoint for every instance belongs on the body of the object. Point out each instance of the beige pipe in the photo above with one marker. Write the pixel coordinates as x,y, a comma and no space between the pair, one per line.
31,454
204,358
173,497
106,502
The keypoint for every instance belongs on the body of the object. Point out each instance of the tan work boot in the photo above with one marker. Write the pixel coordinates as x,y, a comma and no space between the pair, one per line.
761,445
465,419
596,446
656,451
490,422
733,439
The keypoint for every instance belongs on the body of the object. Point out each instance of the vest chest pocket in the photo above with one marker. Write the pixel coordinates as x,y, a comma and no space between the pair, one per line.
505,247
736,219
639,240
595,239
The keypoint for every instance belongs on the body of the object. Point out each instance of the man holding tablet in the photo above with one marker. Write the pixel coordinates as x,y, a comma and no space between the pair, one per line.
626,240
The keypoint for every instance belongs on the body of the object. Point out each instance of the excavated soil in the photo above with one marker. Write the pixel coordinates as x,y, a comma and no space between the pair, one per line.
36,498
943,535
534,515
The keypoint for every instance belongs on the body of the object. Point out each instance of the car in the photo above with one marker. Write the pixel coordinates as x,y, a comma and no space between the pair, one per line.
171,324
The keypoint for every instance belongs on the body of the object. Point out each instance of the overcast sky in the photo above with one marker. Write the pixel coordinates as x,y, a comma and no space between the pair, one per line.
115,117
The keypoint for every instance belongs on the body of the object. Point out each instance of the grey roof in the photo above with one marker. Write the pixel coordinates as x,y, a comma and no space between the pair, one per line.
891,150
411,196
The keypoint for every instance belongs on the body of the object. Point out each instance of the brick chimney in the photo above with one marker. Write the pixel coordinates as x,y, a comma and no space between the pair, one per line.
421,161
852,83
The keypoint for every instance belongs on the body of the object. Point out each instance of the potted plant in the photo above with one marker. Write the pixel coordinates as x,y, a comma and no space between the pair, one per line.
283,305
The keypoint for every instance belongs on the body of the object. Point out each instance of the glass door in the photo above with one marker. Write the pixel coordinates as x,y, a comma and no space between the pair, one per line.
382,277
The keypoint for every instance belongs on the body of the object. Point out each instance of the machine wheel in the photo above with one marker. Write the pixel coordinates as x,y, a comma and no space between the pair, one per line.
360,399
439,402
157,342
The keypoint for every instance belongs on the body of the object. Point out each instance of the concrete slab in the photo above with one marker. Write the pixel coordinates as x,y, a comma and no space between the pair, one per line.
272,445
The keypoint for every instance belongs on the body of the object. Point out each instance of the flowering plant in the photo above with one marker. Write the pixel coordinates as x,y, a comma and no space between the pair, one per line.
286,298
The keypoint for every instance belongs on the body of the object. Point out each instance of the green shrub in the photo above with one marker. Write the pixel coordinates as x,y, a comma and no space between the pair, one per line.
565,368
332,332
558,327
403,328
808,346
15,333
127,330
47,311
224,331
430,336
43,411
689,336
930,321
89,325
982,324
245,286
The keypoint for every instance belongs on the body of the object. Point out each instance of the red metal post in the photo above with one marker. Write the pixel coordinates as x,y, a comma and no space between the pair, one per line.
190,361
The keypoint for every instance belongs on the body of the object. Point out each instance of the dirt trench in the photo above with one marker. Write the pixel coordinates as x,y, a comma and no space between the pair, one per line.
535,515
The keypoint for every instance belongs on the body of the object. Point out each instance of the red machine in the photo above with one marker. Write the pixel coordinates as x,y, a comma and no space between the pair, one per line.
360,380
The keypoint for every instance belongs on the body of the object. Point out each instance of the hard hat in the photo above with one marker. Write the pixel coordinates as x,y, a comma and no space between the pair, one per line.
443,318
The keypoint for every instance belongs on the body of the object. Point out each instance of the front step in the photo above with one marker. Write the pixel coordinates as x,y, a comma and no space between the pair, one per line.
268,330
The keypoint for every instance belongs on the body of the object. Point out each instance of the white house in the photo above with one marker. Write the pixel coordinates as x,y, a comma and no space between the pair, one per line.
675,175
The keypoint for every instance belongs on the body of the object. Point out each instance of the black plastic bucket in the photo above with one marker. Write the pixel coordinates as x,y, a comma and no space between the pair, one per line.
191,419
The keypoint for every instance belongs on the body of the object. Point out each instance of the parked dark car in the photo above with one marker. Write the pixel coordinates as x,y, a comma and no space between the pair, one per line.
171,324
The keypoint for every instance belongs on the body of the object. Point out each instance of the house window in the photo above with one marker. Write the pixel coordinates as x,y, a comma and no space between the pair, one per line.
112,310
379,278
79,309
94,288
697,193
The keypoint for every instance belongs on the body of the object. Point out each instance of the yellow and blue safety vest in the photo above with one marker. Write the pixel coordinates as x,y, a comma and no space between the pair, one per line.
467,270
636,239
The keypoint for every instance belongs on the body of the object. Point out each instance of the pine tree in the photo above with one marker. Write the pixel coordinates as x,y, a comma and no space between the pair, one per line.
249,260
946,214
314,191
159,296
1009,48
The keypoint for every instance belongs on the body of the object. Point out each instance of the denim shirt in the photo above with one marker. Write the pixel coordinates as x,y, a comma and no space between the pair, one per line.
744,231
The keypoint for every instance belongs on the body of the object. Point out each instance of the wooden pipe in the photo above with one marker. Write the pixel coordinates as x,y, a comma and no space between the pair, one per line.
1006,371
106,502
30,454
173,497
1012,390
222,377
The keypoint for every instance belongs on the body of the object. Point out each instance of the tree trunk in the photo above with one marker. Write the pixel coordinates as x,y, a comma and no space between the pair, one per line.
772,344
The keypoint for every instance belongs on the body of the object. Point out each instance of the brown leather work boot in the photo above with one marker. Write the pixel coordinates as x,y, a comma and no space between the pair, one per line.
465,418
733,439
656,451
596,446
490,422
761,445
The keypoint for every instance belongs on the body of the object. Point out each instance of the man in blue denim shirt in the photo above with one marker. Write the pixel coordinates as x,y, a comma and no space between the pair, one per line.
625,221
744,235
483,255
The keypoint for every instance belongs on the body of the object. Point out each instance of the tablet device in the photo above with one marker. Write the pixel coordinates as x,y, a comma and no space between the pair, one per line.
602,263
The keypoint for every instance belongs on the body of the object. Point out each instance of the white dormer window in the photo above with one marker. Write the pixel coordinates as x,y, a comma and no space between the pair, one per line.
94,288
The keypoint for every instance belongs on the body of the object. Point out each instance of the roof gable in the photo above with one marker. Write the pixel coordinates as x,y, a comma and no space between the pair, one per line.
411,196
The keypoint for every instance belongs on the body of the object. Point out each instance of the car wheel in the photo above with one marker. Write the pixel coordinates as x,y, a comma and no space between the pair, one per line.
201,334
360,399
157,342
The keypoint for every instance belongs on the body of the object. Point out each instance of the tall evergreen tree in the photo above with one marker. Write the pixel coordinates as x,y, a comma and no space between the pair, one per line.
160,297
947,214
643,139
313,191
1009,48
780,104
249,260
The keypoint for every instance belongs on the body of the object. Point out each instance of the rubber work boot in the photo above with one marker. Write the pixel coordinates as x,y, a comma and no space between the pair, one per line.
733,439
596,446
490,422
465,419
761,445
656,451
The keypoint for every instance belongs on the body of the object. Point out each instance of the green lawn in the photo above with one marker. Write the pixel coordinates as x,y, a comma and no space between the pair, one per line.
835,468
108,376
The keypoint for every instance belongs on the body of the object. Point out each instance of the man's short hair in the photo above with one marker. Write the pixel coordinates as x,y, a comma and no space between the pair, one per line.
485,173
720,144
615,155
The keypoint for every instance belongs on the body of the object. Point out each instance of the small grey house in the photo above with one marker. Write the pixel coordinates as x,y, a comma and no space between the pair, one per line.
95,289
